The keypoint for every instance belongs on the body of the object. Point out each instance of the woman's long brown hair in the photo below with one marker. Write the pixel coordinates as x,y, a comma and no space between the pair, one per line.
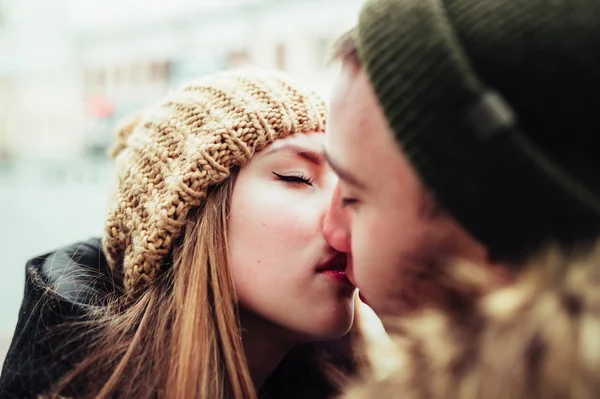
181,338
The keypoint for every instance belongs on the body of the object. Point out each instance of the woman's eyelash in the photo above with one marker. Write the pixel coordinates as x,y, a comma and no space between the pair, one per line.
295,178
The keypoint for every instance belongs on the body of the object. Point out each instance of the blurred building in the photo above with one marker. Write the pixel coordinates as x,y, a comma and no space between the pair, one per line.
71,68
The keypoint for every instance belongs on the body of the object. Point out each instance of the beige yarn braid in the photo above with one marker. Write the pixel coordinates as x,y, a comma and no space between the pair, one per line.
168,156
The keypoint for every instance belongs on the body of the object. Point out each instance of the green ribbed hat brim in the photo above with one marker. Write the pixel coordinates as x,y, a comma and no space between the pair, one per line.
503,189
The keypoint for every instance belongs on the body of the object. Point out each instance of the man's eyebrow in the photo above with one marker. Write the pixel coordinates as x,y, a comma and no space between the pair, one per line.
311,156
342,173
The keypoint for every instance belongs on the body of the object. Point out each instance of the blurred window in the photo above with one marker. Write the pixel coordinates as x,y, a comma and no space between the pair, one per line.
322,48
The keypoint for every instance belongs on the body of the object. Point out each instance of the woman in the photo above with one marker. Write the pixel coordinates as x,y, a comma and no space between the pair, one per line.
214,279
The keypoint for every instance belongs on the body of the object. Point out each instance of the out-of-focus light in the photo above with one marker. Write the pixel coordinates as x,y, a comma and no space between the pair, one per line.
100,107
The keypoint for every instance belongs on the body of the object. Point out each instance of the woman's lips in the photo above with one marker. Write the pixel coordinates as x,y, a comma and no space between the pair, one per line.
337,275
336,268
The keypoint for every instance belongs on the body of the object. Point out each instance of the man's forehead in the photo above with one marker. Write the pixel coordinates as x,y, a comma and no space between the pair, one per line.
349,81
353,100
350,127
360,139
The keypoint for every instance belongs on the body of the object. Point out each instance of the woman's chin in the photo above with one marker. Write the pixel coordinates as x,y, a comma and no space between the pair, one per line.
333,327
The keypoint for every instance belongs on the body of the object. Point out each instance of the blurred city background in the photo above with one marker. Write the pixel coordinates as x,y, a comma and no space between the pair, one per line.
69,69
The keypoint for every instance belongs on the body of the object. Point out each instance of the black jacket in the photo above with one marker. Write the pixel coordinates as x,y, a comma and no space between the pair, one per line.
59,288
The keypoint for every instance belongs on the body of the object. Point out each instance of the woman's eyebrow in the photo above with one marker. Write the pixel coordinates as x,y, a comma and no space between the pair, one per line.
314,157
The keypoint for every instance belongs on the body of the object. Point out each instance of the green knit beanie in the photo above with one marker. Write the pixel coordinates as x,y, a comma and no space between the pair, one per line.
497,105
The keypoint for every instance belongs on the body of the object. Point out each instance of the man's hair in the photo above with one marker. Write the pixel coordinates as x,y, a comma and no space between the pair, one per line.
344,49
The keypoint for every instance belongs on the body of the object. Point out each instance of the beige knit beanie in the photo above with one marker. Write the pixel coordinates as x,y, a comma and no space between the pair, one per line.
167,157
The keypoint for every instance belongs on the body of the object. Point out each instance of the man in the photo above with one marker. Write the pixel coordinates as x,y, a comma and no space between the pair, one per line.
464,131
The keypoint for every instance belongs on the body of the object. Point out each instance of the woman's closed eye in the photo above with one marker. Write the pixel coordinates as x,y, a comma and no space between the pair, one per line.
295,178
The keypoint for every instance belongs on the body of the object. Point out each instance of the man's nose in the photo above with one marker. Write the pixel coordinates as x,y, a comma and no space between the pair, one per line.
336,227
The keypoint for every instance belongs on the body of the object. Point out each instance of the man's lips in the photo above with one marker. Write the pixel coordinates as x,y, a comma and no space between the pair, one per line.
350,276
349,268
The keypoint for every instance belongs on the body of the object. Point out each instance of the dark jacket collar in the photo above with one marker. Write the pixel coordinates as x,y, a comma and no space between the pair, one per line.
60,288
